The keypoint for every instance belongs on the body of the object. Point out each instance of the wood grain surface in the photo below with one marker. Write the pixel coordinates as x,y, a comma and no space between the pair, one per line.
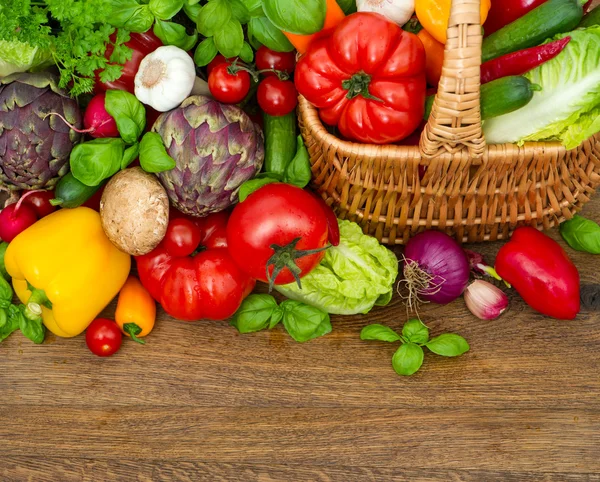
202,402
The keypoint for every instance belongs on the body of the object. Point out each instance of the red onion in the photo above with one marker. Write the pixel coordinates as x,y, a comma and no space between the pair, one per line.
436,268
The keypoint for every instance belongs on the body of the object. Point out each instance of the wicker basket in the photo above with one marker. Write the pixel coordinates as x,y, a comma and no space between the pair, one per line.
473,191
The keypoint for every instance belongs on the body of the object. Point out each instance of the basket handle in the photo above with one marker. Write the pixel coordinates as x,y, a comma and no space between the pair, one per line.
455,120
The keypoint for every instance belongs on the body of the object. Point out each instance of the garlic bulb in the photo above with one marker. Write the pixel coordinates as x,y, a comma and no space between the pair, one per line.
397,11
166,77
484,300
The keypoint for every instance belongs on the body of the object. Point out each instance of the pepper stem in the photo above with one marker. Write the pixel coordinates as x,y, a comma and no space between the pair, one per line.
38,297
132,330
32,311
285,257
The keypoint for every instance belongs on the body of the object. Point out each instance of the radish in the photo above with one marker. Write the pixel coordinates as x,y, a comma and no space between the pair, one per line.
97,121
39,201
15,219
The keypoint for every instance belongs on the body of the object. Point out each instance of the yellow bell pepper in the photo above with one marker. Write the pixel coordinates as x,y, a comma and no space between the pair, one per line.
71,266
434,15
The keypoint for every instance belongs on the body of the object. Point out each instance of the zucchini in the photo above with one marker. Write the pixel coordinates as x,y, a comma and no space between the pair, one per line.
280,142
591,19
500,96
544,22
71,193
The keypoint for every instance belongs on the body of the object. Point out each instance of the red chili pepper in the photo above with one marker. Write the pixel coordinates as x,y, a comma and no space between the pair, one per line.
518,63
541,272
504,12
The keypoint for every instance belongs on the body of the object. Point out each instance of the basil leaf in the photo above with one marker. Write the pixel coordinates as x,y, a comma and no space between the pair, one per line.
165,9
128,112
380,333
415,331
348,6
239,11
407,359
275,318
96,160
171,33
261,30
252,185
304,322
192,11
255,7
6,293
3,272
255,313
205,52
298,171
448,344
213,17
32,328
130,15
130,155
247,54
581,234
153,155
302,17
230,39
8,324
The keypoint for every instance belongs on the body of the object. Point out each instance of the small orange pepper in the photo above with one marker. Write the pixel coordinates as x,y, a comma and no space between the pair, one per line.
136,310
434,16
333,18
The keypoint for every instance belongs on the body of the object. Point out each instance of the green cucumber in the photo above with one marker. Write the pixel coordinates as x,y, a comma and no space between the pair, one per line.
591,19
544,22
500,96
280,142
71,193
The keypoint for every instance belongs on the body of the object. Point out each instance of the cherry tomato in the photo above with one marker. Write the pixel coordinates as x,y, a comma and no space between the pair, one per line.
103,337
39,201
277,97
277,214
226,87
219,59
269,59
182,237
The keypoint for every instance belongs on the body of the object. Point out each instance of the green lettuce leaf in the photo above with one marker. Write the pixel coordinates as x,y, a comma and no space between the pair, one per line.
352,278
18,56
567,109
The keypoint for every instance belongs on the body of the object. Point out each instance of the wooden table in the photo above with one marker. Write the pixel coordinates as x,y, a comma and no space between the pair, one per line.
201,402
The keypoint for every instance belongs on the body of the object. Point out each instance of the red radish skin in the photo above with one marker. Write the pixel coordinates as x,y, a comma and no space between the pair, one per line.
14,221
97,121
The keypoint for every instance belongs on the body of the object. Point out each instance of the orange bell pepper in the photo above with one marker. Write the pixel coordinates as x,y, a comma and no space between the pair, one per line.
434,16
333,18
136,310
434,52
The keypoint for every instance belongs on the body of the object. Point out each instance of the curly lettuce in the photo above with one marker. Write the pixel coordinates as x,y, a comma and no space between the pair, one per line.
567,109
352,277
16,56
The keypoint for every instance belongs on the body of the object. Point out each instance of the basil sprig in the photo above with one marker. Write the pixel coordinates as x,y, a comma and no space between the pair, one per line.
581,234
408,359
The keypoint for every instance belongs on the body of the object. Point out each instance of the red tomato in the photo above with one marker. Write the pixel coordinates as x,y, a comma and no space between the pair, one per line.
206,285
103,337
39,201
219,59
269,59
277,214
228,86
277,97
182,237
368,78
141,44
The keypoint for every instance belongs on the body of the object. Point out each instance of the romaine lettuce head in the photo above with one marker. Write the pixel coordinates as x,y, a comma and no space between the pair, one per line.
567,109
18,56
351,278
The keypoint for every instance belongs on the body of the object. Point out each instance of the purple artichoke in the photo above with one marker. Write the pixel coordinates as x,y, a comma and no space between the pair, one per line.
35,147
216,148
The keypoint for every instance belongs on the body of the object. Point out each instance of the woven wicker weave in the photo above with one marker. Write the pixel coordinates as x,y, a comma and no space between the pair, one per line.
473,191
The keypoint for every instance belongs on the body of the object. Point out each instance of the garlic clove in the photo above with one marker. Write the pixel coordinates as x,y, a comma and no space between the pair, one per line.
484,300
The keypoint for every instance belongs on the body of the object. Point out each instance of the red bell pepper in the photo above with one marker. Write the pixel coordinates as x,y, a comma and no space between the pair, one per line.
541,272
141,45
504,12
518,63
191,273
368,78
